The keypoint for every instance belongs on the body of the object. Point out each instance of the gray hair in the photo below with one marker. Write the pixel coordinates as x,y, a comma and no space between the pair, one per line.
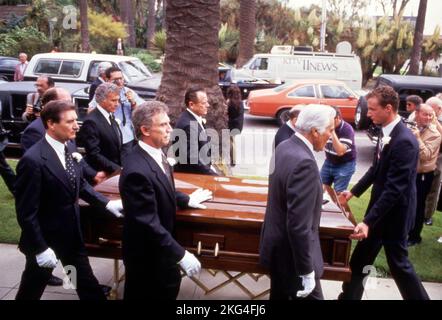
143,114
104,89
434,102
103,66
316,116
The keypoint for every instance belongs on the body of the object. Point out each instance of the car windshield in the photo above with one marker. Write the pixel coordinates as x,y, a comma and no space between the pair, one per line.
135,70
282,87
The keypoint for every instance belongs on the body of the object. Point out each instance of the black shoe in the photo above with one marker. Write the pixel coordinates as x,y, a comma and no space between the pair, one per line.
55,281
411,243
106,289
429,222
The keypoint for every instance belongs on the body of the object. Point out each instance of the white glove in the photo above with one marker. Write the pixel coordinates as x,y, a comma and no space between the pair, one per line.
198,196
308,281
190,264
47,259
115,207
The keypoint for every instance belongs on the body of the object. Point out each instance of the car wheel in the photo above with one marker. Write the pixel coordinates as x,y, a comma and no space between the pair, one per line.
362,121
282,116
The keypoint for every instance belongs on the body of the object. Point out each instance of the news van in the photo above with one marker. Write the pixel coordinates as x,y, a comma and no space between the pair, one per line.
284,67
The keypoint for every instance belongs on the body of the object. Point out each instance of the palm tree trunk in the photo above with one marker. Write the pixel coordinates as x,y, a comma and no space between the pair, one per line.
247,31
84,26
192,57
150,23
418,38
127,17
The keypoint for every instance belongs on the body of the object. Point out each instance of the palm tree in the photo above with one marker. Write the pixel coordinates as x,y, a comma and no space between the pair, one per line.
192,57
247,31
84,26
150,23
418,38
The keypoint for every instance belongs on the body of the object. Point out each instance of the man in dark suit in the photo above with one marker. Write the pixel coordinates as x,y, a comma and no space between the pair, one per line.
49,184
190,138
100,132
288,128
392,208
289,244
101,78
151,255
6,171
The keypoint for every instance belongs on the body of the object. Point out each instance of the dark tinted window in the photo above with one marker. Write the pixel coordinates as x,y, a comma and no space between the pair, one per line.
306,91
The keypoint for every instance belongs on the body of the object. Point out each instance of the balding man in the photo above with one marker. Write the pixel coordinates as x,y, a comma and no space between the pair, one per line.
100,132
429,143
33,100
21,67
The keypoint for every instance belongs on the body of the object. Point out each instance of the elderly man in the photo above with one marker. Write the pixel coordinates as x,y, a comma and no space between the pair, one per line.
101,78
100,133
392,208
429,143
288,128
290,247
49,184
21,67
150,253
191,140
128,101
33,100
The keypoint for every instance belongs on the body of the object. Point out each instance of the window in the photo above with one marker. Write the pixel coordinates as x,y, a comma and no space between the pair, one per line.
306,91
47,66
334,92
259,64
71,68
135,70
9,63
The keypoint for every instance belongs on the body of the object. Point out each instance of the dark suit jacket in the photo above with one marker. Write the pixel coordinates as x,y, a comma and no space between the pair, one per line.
195,140
101,142
149,202
46,204
93,87
283,133
392,207
290,233
36,131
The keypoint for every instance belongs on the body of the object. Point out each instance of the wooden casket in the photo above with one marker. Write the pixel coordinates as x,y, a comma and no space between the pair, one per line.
226,235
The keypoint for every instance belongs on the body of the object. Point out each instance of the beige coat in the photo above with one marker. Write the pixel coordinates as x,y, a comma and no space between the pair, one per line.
429,144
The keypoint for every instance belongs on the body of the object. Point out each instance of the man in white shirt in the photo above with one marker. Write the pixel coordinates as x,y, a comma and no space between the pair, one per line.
21,67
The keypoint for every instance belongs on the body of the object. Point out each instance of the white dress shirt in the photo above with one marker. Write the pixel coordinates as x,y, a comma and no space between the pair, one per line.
198,118
388,128
155,153
104,113
58,148
304,139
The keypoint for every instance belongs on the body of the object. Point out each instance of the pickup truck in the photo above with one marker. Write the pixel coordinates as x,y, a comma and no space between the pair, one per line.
67,67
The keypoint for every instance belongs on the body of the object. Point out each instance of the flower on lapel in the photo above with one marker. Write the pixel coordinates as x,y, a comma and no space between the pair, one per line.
77,156
118,121
203,121
385,140
172,161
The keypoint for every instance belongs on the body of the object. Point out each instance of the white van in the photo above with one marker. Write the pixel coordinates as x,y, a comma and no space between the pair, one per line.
302,65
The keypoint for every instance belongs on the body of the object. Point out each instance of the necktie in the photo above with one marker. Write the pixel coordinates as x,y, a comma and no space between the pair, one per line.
379,146
116,128
70,171
167,169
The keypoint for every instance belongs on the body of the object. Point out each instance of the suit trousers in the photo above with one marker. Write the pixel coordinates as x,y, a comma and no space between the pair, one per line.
147,281
7,173
423,186
431,203
34,278
363,257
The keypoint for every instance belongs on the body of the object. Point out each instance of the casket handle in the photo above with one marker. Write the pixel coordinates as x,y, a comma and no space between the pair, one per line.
199,248
216,250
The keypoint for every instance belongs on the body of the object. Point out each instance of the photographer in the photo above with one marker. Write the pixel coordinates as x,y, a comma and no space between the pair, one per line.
6,171
33,100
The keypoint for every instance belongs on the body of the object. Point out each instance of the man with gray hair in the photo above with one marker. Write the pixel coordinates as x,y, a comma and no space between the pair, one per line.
101,78
100,133
288,128
151,255
289,245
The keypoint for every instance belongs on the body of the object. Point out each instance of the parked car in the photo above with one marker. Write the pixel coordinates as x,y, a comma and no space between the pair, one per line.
425,87
277,102
82,68
7,68
13,104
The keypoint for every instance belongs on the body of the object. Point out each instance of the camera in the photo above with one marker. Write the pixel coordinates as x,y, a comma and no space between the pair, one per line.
36,108
410,124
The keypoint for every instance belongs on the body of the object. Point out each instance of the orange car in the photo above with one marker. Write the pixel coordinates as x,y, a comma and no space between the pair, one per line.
276,102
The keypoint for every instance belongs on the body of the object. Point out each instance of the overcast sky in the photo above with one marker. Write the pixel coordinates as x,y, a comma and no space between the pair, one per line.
433,17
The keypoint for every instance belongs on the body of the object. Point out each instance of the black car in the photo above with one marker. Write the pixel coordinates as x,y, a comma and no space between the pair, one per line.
425,87
13,104
7,68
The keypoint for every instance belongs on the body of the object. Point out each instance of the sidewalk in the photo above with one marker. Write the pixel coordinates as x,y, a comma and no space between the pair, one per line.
12,264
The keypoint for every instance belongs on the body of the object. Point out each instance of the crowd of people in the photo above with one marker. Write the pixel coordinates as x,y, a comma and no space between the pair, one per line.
122,134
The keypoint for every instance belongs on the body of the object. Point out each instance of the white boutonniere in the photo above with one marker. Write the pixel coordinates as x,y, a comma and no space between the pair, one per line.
203,121
118,121
77,156
385,140
172,161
